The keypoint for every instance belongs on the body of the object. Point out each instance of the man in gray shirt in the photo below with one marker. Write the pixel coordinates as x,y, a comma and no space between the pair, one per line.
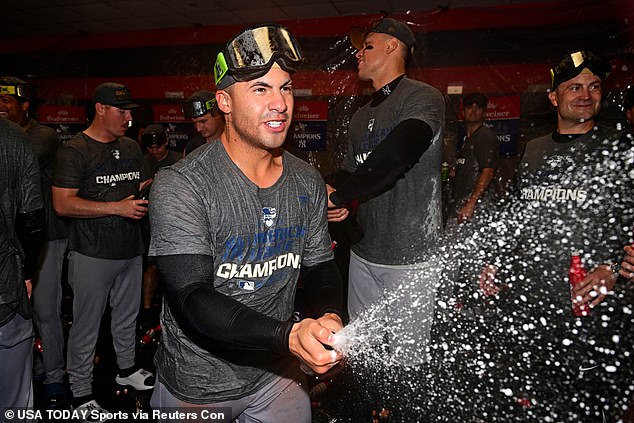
476,163
393,168
245,218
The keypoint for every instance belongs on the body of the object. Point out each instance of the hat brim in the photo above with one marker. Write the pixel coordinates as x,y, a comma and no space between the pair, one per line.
357,37
129,106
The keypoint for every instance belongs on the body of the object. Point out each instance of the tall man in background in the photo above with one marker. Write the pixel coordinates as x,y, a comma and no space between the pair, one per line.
476,163
392,167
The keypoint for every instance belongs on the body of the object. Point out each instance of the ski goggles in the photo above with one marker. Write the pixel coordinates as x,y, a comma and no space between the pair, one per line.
573,64
21,91
194,109
250,54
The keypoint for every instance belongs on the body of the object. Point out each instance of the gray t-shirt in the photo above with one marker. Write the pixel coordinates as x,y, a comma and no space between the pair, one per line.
45,143
402,223
257,238
480,151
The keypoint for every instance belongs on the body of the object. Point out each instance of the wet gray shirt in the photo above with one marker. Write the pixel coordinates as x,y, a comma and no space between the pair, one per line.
257,238
402,223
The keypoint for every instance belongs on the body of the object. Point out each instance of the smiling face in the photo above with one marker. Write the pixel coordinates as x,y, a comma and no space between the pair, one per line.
260,110
578,101
11,108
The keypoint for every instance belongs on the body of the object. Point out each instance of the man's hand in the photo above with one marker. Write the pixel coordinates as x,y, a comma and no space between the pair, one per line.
487,284
310,338
595,286
29,288
335,213
131,208
466,212
627,266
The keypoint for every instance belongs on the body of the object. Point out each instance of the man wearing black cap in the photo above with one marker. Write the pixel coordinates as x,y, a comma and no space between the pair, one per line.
392,167
154,140
209,121
476,163
245,218
97,174
573,197
15,103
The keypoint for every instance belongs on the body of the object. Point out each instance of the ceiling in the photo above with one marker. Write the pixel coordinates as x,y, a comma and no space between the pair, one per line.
27,18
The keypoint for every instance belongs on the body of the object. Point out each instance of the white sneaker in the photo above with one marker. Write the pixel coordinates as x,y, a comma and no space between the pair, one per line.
91,412
141,380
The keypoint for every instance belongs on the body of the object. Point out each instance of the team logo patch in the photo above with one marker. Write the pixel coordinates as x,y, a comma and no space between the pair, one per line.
247,285
270,214
116,153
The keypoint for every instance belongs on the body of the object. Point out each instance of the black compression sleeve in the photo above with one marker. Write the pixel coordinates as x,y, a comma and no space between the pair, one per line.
30,228
388,162
213,316
324,288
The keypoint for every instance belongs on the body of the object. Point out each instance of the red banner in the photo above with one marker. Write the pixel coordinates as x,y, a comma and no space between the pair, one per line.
168,113
62,114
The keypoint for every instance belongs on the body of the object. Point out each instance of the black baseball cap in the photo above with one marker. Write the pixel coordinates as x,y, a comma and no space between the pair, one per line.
478,99
154,134
389,26
114,94
200,103
574,63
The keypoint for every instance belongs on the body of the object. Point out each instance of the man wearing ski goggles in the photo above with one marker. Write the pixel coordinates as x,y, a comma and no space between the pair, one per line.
201,107
228,339
250,55
574,63
198,108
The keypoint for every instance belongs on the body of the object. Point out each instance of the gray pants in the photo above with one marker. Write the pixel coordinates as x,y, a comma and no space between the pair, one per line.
16,365
92,280
400,300
283,400
47,305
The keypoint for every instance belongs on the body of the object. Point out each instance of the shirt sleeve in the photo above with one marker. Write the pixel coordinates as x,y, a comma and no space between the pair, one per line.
179,220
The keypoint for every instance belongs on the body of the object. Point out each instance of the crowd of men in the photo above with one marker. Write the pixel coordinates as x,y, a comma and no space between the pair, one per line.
233,224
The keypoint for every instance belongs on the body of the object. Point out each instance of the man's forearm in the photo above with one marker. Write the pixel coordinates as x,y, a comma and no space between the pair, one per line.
77,207
485,178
